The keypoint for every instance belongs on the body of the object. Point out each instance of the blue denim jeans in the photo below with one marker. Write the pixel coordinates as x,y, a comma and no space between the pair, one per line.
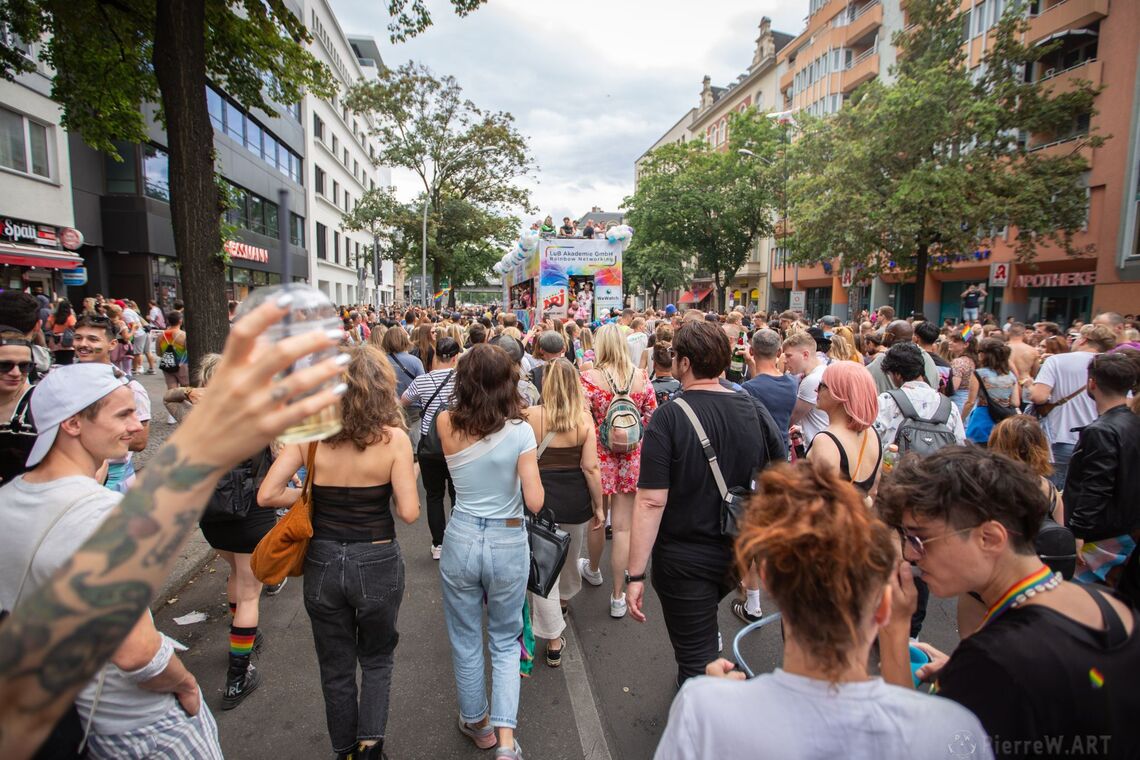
1062,453
485,557
352,594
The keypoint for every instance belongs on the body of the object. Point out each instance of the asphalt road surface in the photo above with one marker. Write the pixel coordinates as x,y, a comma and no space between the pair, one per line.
609,700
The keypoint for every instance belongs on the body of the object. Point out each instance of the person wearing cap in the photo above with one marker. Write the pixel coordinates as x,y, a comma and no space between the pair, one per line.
17,427
94,337
431,392
86,415
670,310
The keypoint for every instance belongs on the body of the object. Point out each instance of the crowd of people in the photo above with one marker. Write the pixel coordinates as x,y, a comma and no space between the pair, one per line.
847,468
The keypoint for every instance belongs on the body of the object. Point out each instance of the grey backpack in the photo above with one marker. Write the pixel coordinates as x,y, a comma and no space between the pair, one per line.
922,436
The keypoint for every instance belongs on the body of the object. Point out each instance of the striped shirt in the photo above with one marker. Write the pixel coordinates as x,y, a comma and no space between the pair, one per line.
422,389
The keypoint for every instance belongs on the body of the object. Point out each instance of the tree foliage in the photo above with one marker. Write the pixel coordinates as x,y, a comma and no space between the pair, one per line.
714,204
655,266
468,160
912,174
411,17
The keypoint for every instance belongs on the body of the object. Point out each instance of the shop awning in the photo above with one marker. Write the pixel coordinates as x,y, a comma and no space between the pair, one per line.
30,256
695,295
1066,33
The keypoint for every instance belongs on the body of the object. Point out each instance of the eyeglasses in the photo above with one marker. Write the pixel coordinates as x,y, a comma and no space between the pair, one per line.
24,367
917,546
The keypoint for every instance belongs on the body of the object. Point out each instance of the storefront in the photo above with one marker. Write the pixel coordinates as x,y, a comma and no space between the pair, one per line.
951,300
1060,297
33,256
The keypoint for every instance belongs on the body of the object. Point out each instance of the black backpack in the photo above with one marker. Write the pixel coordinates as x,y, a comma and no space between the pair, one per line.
1055,544
922,436
236,492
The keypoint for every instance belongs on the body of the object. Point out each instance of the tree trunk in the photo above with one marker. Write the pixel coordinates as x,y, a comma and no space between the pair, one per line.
656,290
436,279
718,294
179,59
920,262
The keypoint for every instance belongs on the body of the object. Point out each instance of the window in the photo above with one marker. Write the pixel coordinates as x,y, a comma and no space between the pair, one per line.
271,225
319,179
345,161
322,241
216,107
253,139
254,213
235,122
347,202
23,144
335,145
294,110
356,256
156,173
356,168
336,192
318,128
979,18
121,174
336,246
296,230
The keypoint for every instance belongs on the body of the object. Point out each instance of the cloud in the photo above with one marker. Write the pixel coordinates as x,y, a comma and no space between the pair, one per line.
591,83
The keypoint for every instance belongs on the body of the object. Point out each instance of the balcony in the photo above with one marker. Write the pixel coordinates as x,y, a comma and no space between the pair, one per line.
1064,81
1063,147
864,68
865,21
1067,14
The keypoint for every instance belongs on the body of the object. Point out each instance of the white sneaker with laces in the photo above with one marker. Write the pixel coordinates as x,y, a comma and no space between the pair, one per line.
594,578
617,607
436,551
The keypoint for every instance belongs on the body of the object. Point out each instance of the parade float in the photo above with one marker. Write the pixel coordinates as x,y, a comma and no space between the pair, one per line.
564,277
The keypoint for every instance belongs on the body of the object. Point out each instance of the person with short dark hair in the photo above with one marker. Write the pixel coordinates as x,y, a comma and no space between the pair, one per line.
677,509
17,427
1103,480
903,364
776,390
1050,658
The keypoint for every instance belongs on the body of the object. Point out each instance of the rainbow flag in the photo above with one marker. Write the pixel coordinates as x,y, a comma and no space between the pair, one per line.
1096,678
967,332
442,293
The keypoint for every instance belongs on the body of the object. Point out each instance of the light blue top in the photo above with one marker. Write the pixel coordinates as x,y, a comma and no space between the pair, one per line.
486,473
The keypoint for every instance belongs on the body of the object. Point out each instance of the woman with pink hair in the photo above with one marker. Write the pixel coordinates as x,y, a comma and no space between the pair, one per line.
849,443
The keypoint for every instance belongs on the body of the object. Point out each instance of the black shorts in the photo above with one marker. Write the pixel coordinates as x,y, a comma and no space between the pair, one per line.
239,536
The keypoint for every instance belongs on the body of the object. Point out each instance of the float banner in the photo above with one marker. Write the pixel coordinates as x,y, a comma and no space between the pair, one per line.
564,258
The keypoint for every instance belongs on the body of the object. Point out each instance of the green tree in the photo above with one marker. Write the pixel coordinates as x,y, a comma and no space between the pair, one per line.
655,266
908,175
377,212
458,151
411,17
716,204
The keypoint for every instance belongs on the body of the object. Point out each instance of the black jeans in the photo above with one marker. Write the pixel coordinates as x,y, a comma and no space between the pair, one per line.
691,580
436,479
352,594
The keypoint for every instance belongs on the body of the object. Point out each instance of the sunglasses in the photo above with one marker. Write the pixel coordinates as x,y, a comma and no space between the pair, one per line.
6,367
822,386
914,548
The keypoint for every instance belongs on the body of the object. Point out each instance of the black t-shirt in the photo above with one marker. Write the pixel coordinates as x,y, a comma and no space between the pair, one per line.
566,229
671,457
17,437
971,299
1033,674
588,232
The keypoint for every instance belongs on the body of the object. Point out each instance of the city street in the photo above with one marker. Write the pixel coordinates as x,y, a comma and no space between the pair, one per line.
610,699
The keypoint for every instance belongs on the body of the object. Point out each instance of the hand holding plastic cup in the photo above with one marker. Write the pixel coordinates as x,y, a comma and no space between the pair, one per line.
310,310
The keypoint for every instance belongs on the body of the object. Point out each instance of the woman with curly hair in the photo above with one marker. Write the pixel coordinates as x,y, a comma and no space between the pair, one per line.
354,570
827,561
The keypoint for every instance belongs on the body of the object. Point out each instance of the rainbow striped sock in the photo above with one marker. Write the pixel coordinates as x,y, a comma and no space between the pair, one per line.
241,640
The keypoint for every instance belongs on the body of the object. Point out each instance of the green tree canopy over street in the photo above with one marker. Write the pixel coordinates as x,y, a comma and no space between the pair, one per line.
909,174
468,160
710,204
655,266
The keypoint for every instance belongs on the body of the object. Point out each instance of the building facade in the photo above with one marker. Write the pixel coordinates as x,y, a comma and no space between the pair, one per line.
341,166
38,238
847,42
709,121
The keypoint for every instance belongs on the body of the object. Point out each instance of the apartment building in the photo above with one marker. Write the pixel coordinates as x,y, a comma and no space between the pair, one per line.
756,88
37,221
847,42
341,168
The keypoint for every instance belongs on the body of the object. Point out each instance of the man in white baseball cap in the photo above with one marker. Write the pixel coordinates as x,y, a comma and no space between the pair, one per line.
85,414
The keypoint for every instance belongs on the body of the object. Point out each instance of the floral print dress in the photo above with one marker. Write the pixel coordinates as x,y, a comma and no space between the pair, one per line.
619,471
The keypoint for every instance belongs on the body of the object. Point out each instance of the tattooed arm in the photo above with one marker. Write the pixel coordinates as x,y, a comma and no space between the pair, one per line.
61,634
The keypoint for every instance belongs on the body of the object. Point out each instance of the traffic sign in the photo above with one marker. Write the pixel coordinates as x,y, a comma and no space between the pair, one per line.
798,301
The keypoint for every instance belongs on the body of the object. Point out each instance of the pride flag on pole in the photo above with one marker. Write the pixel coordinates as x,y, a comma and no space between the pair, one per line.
967,332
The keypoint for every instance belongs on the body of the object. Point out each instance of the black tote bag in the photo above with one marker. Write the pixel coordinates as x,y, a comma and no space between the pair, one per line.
549,546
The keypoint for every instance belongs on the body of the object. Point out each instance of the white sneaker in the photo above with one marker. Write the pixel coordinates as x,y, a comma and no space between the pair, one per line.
594,578
617,607
435,551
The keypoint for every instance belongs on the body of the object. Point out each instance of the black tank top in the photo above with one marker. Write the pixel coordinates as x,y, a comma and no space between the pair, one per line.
353,513
863,486
17,436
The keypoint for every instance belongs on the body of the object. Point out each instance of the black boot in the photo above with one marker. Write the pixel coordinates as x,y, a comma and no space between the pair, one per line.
242,678
375,752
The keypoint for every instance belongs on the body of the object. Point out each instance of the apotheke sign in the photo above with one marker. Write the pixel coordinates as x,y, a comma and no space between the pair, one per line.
1061,280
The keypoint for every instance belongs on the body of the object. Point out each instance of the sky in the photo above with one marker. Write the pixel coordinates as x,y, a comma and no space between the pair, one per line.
591,83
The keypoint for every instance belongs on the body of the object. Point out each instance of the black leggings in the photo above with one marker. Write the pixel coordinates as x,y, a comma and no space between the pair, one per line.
436,479
691,582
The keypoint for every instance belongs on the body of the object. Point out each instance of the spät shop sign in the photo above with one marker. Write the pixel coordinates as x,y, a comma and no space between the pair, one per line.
21,231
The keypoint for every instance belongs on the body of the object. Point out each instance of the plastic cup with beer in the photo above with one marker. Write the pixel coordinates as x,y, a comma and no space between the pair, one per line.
309,310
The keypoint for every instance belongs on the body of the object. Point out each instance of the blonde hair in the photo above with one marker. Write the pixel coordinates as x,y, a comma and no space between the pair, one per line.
562,398
207,368
586,338
455,332
842,350
376,337
612,352
513,332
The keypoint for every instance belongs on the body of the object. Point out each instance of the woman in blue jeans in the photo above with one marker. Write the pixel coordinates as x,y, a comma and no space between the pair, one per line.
490,454
354,571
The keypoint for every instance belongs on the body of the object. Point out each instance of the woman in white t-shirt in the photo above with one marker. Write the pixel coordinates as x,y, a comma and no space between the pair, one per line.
807,529
490,454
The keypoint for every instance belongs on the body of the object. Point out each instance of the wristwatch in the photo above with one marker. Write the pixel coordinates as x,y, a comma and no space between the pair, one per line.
640,578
